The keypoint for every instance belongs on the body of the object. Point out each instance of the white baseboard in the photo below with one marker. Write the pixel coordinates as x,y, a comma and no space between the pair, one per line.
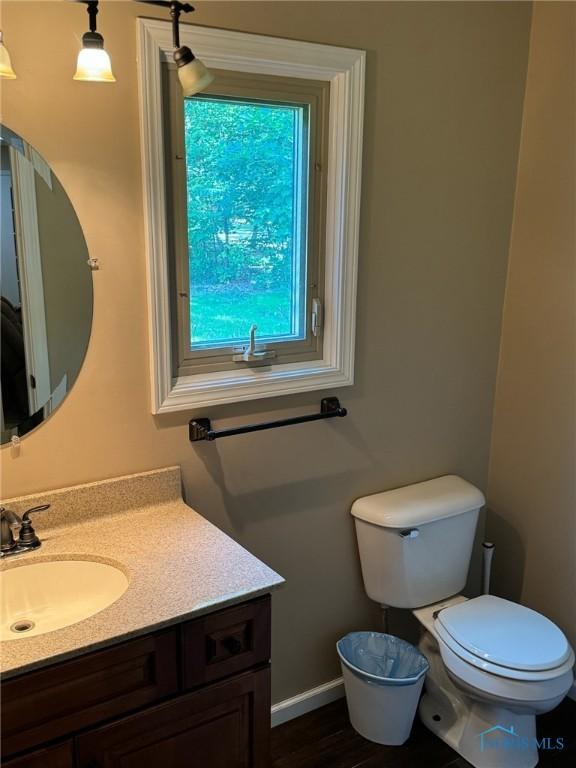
307,701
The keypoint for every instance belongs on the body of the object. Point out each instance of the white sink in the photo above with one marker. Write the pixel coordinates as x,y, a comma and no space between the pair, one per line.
43,596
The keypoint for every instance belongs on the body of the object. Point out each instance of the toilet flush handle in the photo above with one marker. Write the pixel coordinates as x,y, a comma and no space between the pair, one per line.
410,533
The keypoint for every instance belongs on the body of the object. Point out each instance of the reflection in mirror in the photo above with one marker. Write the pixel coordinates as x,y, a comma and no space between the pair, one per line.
45,289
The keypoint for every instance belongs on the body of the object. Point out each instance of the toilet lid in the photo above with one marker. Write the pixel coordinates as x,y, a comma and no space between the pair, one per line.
505,634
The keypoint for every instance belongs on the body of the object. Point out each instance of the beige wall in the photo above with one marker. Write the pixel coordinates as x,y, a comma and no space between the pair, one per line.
445,85
532,486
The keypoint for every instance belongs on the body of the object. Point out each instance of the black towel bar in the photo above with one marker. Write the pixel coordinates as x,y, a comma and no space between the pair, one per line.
201,429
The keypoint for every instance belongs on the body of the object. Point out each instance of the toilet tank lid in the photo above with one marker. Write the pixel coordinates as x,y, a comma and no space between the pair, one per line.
419,503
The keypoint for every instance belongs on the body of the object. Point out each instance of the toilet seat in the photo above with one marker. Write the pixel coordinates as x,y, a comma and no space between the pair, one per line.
506,690
504,638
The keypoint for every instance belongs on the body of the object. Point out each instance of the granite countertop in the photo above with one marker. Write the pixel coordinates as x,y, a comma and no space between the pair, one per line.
178,564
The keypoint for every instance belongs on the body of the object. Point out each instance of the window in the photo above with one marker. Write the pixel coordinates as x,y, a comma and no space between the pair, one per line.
246,165
252,205
246,186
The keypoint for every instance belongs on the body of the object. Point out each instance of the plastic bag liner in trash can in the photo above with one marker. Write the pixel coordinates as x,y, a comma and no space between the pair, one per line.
383,678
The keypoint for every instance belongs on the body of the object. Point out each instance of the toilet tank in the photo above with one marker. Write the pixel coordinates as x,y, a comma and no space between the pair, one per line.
415,542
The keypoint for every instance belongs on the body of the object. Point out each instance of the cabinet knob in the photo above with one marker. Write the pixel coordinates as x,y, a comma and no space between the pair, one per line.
233,645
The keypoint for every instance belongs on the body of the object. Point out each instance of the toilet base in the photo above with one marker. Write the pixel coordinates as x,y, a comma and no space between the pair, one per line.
484,733
466,734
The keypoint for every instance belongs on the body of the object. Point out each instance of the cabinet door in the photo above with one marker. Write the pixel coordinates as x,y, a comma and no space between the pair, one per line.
52,703
226,725
53,757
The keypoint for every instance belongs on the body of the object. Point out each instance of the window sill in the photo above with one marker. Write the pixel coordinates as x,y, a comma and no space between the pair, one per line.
210,389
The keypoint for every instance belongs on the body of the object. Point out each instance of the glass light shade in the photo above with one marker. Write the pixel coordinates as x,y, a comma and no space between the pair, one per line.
194,77
94,66
5,63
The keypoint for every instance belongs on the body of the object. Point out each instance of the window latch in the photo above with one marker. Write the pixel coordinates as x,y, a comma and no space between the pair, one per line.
251,354
316,319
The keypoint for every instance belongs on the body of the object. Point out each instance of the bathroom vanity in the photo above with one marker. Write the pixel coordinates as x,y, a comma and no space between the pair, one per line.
176,672
198,691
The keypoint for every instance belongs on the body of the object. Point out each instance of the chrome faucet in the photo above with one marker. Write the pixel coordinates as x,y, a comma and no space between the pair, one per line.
27,539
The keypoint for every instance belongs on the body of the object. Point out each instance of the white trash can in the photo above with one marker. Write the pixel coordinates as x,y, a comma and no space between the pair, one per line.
383,678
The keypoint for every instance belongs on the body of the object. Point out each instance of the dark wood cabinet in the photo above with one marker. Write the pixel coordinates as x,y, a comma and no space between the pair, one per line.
195,694
220,726
61,756
220,644
53,702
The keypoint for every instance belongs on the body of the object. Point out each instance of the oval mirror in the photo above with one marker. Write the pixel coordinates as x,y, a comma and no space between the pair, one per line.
45,289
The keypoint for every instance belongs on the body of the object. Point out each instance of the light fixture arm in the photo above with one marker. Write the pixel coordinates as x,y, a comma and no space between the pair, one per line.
176,8
192,73
175,16
92,39
92,9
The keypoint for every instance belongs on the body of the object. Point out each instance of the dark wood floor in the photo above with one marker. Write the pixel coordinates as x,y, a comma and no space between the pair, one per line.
325,739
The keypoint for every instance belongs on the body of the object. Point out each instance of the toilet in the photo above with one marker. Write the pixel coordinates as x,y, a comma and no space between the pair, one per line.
494,664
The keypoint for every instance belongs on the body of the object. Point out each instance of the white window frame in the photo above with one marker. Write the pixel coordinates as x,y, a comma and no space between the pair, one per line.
343,68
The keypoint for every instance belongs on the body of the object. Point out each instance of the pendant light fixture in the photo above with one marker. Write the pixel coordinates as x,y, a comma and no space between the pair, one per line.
192,73
6,70
93,62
